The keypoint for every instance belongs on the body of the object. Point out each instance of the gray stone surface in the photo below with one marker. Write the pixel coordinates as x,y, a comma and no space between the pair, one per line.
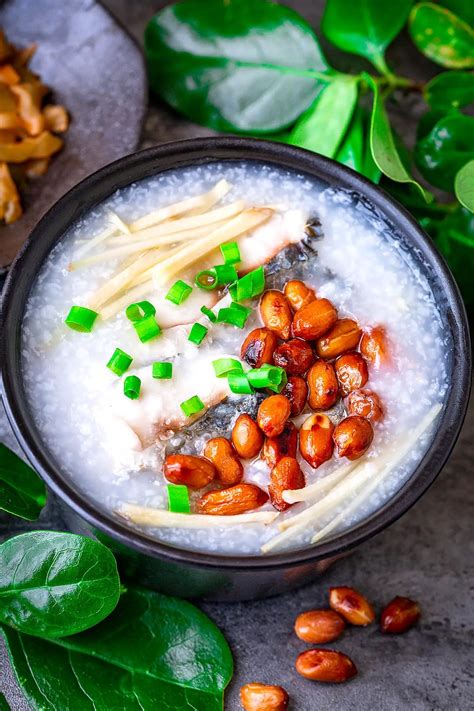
427,555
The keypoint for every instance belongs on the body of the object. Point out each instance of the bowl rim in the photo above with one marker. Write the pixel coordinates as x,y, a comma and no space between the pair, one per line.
141,164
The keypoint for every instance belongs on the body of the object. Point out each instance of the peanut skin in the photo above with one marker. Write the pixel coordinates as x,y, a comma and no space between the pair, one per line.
235,500
195,472
222,454
286,474
273,414
276,313
263,697
247,437
319,626
325,665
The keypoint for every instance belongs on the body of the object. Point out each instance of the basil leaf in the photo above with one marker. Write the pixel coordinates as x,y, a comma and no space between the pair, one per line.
22,492
351,151
240,65
322,128
365,27
3,703
383,147
450,90
445,149
55,584
464,185
153,652
442,36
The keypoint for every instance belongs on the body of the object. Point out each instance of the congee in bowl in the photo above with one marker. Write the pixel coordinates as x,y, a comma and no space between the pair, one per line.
235,358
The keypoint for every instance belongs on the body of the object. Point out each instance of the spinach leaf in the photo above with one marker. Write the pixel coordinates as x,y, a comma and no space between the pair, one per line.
445,149
442,36
152,652
55,584
351,151
322,128
22,492
450,90
240,65
3,703
366,27
383,146
464,185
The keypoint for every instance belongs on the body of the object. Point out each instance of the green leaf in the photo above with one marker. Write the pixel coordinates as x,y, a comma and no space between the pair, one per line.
322,128
442,36
455,239
445,149
462,8
464,185
22,493
240,65
3,703
383,146
365,27
153,652
55,584
450,90
351,151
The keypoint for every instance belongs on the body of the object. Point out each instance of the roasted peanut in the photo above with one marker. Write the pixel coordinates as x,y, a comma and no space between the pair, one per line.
295,356
314,320
220,451
319,626
298,294
247,437
351,371
258,347
272,415
276,313
284,445
263,697
374,346
323,386
354,607
235,500
285,475
365,403
343,336
399,615
296,391
353,436
195,472
316,445
325,665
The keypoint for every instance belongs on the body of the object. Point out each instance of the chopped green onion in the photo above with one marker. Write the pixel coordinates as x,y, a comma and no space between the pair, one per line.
235,314
131,387
226,366
206,279
179,292
250,285
147,329
268,376
120,362
192,406
210,314
197,333
231,253
178,498
219,275
140,310
81,319
239,384
162,371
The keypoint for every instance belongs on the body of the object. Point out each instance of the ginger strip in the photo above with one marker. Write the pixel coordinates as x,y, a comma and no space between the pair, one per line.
147,516
321,486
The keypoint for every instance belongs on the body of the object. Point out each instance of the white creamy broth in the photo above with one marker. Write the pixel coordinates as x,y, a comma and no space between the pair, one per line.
112,448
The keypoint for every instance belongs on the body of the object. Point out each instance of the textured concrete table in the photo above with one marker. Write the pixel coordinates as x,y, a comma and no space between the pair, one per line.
428,555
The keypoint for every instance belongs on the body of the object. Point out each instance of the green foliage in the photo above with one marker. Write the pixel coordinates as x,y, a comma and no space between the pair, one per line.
366,27
245,65
464,186
450,90
153,652
3,703
445,149
22,493
323,126
442,36
56,584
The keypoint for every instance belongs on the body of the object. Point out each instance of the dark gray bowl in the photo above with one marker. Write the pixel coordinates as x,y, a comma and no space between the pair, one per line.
188,573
